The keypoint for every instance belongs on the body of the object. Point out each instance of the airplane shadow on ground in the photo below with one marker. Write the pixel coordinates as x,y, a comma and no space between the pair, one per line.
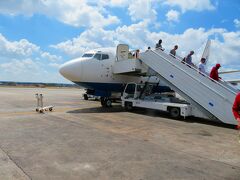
151,113
99,109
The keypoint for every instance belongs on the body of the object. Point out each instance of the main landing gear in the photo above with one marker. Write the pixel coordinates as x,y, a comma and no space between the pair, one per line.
85,96
106,102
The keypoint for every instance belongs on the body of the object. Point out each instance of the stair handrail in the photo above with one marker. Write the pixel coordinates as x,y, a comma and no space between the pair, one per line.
205,75
221,80
173,64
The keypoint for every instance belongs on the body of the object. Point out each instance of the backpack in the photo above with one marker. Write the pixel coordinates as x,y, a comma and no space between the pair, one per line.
184,59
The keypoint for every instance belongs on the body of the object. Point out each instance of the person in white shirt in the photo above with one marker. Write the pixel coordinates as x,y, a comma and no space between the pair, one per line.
201,65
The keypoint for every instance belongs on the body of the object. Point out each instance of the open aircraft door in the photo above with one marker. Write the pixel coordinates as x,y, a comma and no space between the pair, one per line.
122,52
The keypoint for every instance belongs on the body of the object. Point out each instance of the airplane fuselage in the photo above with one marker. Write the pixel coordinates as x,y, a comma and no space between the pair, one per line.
94,72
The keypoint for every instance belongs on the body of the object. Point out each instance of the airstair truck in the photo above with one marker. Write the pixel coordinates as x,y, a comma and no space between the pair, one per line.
208,98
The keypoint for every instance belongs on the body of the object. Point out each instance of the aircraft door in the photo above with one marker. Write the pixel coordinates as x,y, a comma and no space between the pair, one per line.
122,52
103,60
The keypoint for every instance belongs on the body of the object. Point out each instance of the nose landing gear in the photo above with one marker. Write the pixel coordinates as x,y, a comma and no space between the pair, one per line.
85,97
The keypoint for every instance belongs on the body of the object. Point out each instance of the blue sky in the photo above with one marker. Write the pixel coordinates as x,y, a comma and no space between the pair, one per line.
37,36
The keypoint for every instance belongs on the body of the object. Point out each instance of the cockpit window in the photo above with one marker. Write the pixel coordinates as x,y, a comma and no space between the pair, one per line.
105,56
87,55
98,56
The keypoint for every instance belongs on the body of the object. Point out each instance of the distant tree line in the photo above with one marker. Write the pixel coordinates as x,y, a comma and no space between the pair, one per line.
36,84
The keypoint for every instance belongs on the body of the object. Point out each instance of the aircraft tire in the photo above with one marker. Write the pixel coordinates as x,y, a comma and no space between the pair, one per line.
85,97
108,102
103,103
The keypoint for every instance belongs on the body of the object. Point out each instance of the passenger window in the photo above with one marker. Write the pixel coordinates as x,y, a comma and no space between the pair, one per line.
98,56
105,56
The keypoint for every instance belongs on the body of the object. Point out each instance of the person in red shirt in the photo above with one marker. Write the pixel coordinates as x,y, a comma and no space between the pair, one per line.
214,72
236,109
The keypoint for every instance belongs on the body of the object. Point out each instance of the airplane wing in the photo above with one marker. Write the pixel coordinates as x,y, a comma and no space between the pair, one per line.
234,81
228,72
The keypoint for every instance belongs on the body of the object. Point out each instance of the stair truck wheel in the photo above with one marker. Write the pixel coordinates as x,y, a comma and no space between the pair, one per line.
174,112
128,106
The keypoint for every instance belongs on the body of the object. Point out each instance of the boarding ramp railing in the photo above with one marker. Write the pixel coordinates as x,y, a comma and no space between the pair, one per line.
221,81
211,97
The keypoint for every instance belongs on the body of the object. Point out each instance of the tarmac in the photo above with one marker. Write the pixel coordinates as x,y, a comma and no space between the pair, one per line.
82,140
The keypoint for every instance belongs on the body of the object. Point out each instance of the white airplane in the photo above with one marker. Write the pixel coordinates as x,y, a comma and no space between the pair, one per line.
94,72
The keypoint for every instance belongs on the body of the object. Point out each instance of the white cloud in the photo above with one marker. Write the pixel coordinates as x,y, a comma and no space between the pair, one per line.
28,70
50,57
113,3
142,9
20,67
55,65
82,13
137,9
14,7
172,15
237,23
22,48
89,39
135,35
196,5
73,12
228,51
24,61
22,70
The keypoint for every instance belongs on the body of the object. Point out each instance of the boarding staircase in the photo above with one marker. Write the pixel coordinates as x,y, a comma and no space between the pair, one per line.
213,98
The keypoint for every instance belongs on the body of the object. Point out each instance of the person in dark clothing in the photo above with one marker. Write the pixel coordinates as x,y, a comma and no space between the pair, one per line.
173,51
188,58
214,72
236,109
159,44
137,54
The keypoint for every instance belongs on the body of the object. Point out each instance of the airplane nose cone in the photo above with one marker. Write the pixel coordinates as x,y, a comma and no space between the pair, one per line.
71,70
